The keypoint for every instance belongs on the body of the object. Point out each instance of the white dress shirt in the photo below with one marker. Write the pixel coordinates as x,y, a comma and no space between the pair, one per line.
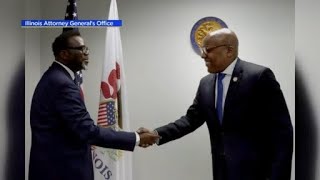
225,81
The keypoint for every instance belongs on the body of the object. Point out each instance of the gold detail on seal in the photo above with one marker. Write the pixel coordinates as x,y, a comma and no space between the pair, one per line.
204,29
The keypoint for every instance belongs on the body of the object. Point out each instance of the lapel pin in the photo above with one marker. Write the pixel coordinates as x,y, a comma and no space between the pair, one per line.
235,79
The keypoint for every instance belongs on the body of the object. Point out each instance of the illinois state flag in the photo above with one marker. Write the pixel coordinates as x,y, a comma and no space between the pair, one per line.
111,164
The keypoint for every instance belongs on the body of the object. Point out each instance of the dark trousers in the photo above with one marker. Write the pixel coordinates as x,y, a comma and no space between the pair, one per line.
220,168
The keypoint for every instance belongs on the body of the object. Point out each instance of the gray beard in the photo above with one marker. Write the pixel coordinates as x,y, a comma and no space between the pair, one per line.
84,66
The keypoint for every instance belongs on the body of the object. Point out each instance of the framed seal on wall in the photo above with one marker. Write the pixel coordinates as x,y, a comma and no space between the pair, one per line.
201,28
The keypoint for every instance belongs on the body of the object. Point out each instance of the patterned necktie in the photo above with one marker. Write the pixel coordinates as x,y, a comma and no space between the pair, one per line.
78,81
220,96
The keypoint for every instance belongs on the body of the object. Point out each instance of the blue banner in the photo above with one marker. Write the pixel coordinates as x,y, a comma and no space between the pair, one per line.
70,23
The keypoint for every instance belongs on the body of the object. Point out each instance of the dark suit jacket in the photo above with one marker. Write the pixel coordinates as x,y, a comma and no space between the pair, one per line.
255,139
62,131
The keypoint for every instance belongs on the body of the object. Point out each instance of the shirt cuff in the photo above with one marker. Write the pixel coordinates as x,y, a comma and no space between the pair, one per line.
137,139
156,132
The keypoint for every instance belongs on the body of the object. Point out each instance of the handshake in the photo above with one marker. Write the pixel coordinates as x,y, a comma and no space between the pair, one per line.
147,137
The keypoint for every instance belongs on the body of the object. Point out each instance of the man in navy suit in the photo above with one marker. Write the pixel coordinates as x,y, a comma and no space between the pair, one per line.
62,129
243,106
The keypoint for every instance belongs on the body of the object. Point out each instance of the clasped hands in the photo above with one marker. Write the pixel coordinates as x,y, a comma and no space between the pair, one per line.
147,137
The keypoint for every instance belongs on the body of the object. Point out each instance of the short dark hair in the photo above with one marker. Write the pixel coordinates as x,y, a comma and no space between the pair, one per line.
62,41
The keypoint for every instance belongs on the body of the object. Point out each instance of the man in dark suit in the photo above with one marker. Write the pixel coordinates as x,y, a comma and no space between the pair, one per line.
249,124
62,129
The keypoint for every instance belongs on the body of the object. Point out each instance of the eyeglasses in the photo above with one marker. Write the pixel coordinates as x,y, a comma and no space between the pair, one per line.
206,50
83,49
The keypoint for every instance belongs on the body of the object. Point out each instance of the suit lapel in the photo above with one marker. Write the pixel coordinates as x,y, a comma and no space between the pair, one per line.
208,91
233,86
209,101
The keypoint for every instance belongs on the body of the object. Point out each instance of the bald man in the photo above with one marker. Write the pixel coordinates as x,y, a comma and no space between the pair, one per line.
248,120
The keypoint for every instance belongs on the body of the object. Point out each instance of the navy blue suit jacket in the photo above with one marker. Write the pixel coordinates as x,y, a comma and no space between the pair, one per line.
62,130
255,139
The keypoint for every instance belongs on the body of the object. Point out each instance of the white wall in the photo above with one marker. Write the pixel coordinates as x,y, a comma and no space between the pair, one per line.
11,91
163,72
32,67
307,40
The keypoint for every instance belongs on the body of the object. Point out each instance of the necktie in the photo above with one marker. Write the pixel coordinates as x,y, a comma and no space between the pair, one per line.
220,96
78,81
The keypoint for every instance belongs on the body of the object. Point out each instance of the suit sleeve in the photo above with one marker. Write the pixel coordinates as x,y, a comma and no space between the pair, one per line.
183,126
76,118
281,127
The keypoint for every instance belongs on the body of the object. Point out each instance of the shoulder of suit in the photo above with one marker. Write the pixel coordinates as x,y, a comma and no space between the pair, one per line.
207,77
57,75
251,68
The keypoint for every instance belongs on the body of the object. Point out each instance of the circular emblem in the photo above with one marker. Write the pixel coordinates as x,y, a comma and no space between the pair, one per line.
202,28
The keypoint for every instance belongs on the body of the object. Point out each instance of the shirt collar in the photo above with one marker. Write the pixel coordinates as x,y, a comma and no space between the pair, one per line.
230,68
67,69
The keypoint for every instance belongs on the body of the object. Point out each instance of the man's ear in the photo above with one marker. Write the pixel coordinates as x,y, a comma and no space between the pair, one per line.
63,54
230,50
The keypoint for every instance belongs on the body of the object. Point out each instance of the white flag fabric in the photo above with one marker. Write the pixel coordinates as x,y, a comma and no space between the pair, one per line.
113,164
